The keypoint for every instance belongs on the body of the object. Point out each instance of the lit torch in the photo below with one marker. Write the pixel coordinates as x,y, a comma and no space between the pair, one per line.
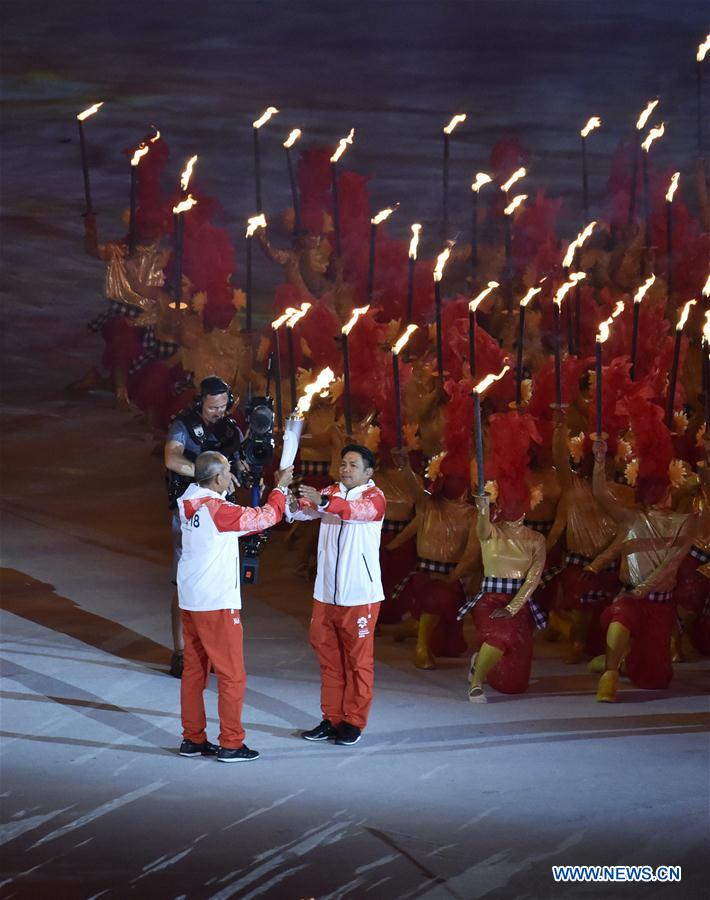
374,222
562,291
253,225
139,153
508,221
256,126
438,274
640,125
521,340
290,325
672,187
178,239
345,331
81,118
602,337
448,131
413,244
652,136
478,182
294,423
482,386
294,136
570,257
340,149
638,297
472,323
516,176
594,122
706,364
682,319
396,349
276,356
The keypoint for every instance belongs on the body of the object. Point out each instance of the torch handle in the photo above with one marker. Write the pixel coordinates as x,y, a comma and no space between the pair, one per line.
445,192
479,443
585,181
247,323
519,368
336,207
85,169
397,400
347,400
634,180
509,262
673,378
472,342
439,345
410,289
669,249
257,169
558,367
371,267
277,378
177,246
634,339
474,236
132,215
599,388
297,227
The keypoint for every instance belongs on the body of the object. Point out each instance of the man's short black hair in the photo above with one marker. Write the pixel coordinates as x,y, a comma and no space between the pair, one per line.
368,457
213,385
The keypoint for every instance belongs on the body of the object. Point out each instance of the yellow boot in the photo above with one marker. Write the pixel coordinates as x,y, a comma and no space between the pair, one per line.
423,658
482,662
597,665
608,686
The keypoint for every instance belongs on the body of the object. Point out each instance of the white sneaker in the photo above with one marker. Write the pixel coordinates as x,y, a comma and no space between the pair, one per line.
476,695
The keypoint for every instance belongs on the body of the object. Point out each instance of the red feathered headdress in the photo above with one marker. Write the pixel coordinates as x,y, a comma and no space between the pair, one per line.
509,438
653,446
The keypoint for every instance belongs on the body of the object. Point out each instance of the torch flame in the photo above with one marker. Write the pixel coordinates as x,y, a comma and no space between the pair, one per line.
703,49
672,186
567,286
684,315
414,243
646,114
476,302
516,176
265,116
514,204
486,382
456,120
603,332
530,294
185,204
187,172
139,154
292,138
298,315
577,243
349,325
593,123
706,288
480,180
156,136
343,146
706,330
285,316
641,292
656,132
440,263
618,309
383,214
319,386
402,340
254,223
90,111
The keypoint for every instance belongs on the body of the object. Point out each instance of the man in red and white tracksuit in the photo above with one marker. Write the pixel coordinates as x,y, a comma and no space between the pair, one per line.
348,592
210,602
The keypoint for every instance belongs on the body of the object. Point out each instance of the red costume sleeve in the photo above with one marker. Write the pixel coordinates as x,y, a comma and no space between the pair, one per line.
369,508
245,519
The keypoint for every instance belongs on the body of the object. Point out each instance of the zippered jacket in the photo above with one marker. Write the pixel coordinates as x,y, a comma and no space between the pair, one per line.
208,572
348,544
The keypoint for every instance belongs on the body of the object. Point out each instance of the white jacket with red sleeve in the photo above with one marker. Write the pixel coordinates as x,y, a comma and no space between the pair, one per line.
348,544
208,570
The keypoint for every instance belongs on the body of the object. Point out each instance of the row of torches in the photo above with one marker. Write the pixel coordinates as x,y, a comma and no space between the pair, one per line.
292,316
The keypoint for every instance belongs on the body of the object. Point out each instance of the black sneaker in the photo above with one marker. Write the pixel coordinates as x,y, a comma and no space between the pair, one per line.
242,754
347,734
321,732
188,748
176,664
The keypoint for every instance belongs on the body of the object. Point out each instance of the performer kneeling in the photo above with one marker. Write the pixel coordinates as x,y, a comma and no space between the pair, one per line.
210,602
347,594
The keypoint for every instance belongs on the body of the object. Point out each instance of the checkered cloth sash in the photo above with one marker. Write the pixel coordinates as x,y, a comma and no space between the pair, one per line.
491,585
317,467
654,596
573,559
114,309
543,527
702,556
423,565
153,348
394,526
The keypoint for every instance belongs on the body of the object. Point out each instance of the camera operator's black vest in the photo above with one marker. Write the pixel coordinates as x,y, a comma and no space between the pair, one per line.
225,438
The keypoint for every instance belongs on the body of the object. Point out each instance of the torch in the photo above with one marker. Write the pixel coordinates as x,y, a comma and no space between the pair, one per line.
638,297
669,232
341,148
345,331
477,391
413,244
472,307
640,125
653,134
682,319
572,256
594,122
521,339
399,345
135,159
699,57
288,143
448,130
186,174
275,325
602,337
480,179
252,225
262,120
706,371
294,423
178,237
508,213
438,273
81,118
374,222
290,325
557,313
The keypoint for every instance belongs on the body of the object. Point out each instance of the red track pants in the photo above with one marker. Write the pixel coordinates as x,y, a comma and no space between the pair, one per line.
343,639
213,637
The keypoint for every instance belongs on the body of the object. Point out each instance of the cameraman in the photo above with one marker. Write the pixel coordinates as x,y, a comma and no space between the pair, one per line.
206,426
